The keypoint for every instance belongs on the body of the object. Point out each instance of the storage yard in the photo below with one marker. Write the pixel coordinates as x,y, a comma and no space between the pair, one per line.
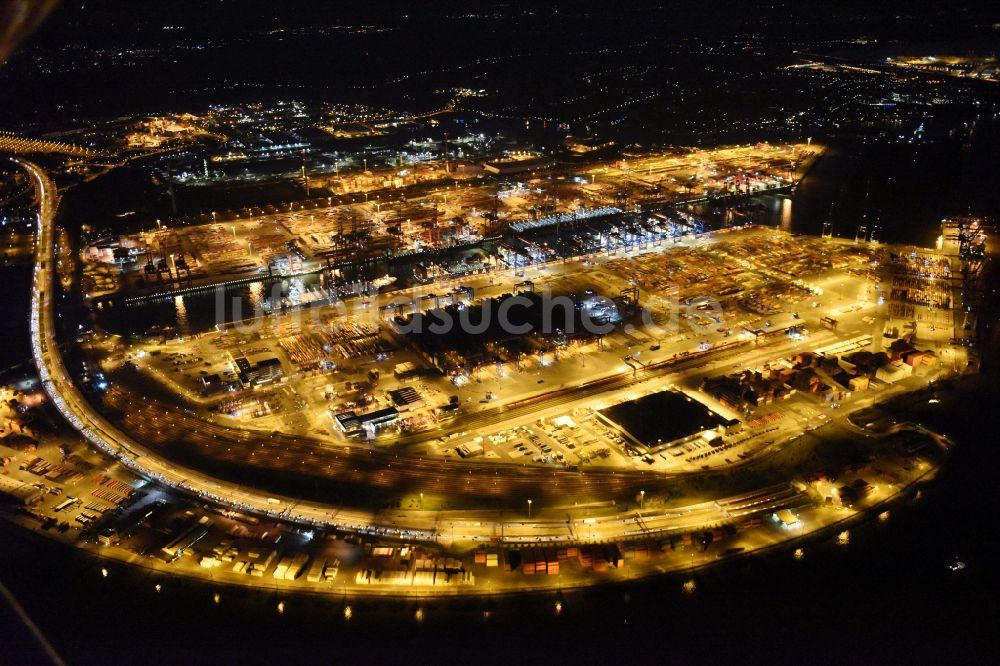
350,372
465,208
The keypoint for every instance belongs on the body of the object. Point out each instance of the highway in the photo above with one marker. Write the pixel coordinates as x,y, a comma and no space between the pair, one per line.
467,526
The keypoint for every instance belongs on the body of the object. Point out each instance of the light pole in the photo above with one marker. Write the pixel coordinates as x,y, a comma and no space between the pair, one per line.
529,509
642,496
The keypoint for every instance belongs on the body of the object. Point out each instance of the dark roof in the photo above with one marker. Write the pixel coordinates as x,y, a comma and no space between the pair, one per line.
662,417
379,415
405,396
353,421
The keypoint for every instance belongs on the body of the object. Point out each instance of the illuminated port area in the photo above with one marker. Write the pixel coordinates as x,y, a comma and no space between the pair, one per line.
525,367
335,332
565,410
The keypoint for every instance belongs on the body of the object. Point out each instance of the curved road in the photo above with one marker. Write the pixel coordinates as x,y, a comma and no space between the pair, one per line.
462,526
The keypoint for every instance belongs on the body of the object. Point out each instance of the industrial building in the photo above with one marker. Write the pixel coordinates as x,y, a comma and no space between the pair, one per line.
684,419
18,492
353,424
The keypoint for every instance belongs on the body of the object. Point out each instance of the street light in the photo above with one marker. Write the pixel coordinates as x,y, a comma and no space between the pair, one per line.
529,509
642,496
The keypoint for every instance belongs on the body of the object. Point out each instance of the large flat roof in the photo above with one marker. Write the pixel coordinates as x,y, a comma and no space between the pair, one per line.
663,417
